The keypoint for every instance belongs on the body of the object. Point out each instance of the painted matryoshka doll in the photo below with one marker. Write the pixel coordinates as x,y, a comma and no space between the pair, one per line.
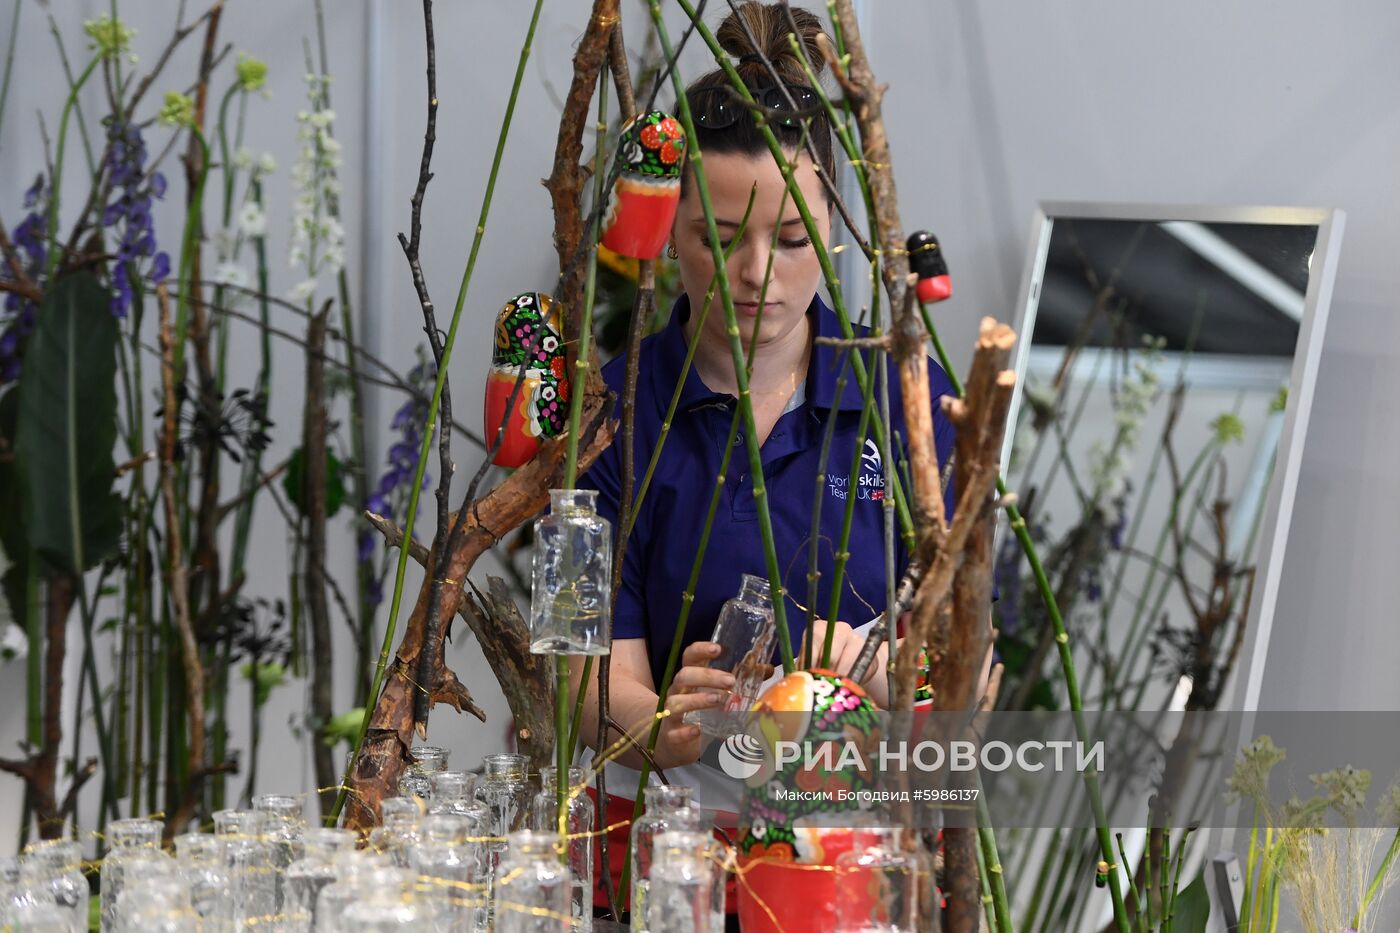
777,851
643,201
529,337
926,261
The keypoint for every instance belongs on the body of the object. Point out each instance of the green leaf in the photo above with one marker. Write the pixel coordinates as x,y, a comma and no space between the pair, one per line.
294,482
265,677
1191,908
345,727
67,426
14,579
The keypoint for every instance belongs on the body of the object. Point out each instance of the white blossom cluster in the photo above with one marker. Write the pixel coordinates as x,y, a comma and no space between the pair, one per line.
250,222
1109,465
318,240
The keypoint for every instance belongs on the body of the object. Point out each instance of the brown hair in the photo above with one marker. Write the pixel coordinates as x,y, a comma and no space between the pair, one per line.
768,23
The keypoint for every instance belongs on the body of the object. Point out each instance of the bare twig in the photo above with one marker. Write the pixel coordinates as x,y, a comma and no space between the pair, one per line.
313,494
177,571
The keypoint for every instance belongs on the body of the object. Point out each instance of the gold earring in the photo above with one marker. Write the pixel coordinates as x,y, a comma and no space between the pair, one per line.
671,251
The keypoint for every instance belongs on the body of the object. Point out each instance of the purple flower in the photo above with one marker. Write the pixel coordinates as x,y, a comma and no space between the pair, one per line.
17,320
129,213
391,492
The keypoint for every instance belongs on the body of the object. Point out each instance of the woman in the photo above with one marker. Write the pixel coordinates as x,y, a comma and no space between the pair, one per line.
794,389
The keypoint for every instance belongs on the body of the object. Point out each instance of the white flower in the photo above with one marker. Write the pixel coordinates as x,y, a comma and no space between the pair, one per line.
231,273
252,222
243,159
266,164
301,292
13,643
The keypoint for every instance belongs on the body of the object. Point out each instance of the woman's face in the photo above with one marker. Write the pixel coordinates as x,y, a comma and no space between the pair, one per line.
796,272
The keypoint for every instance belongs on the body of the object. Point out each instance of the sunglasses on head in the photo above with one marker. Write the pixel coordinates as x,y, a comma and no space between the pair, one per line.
718,108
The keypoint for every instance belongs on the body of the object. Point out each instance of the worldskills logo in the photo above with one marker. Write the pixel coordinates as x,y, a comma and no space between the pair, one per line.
869,485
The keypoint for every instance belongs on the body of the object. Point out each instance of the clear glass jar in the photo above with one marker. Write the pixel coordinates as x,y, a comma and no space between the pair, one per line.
397,832
353,872
544,818
386,904
877,883
306,876
504,790
248,862
532,886
745,633
57,866
286,821
161,904
200,858
156,895
685,874
34,917
667,808
451,791
417,778
571,589
127,840
451,874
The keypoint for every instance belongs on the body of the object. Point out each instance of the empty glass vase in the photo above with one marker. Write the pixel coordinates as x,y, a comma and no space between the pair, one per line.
571,591
532,886
544,818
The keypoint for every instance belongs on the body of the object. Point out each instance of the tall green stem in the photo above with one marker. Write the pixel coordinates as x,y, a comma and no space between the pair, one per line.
56,183
423,452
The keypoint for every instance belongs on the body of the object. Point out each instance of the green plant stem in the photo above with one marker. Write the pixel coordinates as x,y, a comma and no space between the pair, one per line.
564,737
57,181
9,61
1018,527
991,859
843,553
833,283
1375,886
426,446
736,349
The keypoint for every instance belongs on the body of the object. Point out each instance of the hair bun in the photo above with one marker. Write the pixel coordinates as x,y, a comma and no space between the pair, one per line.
755,30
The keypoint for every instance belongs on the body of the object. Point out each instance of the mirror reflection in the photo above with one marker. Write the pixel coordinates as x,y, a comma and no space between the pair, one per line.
1154,396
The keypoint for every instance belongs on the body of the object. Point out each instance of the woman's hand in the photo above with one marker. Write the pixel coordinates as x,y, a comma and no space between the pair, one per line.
694,686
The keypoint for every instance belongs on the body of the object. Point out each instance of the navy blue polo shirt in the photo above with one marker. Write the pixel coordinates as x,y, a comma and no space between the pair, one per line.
664,541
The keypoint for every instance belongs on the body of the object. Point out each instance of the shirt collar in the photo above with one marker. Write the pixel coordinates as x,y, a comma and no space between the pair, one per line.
823,369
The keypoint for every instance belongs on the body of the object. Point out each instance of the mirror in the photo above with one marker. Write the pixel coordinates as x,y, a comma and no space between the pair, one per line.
1166,369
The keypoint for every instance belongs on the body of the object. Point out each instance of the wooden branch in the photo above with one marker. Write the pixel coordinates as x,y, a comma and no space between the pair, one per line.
517,499
177,572
566,181
313,497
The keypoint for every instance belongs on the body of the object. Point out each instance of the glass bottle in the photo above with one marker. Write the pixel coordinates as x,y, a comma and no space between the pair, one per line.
451,881
532,886
155,896
128,840
397,832
571,590
505,792
667,807
309,874
161,904
745,632
416,780
35,917
386,904
877,883
286,821
354,871
545,818
57,866
200,857
451,791
248,862
685,874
